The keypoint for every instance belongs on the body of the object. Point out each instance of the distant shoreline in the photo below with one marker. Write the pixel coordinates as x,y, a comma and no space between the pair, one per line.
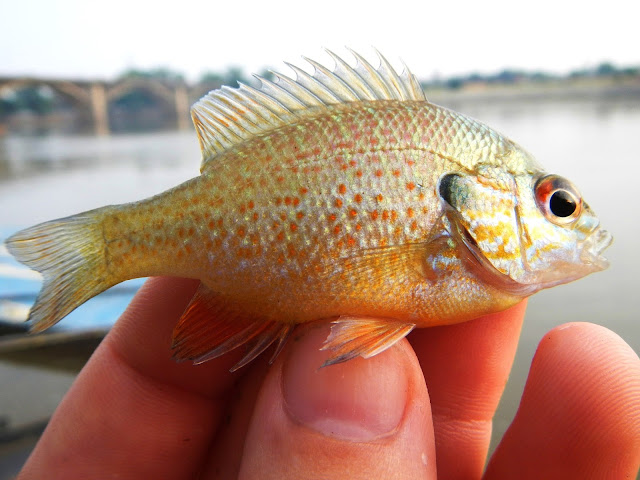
591,89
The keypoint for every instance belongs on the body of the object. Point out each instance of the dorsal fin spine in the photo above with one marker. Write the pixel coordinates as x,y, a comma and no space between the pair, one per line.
291,102
350,76
396,82
314,85
333,82
305,96
230,116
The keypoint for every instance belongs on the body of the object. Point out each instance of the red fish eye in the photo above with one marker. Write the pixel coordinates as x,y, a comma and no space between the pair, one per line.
558,199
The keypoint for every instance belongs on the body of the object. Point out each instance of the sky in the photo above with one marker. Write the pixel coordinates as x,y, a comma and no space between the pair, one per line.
98,40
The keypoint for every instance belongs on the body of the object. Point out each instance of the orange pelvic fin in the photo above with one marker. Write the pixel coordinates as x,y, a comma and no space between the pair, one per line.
362,336
210,327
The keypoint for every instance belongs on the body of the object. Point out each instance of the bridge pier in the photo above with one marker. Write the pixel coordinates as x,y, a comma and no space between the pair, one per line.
99,109
182,107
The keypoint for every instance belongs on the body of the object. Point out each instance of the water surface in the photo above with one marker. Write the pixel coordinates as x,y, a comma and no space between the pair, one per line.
596,145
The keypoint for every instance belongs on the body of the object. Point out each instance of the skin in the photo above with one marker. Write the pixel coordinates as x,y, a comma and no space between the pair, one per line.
134,413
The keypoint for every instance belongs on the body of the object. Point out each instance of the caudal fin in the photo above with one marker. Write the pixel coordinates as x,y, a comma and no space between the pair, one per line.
69,253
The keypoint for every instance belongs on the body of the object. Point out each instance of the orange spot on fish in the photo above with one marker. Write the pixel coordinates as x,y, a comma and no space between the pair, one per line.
396,173
278,201
385,215
256,216
410,212
394,215
383,242
411,186
358,227
351,241
338,203
250,205
241,231
280,178
191,231
353,212
287,200
293,227
337,229
281,236
357,198
283,217
414,225
359,173
342,188
188,249
374,215
299,215
296,201
332,217
378,173
303,191
379,197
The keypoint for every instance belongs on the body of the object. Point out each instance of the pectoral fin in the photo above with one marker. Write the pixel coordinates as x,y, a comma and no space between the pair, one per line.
362,336
211,327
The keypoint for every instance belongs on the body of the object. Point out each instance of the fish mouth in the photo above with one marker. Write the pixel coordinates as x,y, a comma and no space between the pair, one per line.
595,244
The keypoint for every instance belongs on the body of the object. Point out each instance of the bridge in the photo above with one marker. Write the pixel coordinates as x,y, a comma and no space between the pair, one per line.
96,97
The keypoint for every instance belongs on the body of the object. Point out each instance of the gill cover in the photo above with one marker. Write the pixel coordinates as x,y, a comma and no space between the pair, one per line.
481,210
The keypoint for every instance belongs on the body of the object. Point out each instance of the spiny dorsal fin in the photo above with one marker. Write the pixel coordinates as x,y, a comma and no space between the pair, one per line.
229,116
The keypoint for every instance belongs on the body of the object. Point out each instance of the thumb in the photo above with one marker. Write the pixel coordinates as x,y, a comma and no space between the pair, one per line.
361,419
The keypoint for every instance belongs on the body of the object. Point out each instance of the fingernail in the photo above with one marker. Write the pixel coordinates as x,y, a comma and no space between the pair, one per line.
359,400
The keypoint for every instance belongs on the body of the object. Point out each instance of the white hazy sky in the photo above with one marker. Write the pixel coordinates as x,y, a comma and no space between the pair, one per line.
87,39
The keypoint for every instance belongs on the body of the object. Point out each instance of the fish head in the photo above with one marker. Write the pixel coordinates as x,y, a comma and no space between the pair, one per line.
523,232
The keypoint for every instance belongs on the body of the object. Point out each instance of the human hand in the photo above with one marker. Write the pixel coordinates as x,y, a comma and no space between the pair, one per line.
134,413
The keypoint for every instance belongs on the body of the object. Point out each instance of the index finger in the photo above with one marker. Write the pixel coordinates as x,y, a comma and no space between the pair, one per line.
466,367
133,412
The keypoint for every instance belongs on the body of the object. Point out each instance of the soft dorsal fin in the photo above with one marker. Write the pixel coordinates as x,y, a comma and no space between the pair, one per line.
228,116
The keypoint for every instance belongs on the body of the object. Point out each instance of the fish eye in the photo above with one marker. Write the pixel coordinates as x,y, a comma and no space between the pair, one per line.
558,199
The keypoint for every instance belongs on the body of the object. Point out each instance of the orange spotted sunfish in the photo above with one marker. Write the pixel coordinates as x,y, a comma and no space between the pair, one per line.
342,195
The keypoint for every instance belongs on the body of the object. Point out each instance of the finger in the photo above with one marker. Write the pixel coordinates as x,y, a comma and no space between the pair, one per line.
133,412
359,420
466,367
580,412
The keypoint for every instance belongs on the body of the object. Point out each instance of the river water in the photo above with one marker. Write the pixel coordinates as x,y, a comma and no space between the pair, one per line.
595,144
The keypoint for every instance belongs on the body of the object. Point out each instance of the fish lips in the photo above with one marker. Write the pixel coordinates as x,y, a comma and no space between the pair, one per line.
592,249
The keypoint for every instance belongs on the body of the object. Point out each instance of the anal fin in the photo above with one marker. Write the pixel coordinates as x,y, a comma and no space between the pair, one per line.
211,327
351,337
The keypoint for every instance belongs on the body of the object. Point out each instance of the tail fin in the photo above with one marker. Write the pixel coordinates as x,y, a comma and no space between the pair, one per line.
69,253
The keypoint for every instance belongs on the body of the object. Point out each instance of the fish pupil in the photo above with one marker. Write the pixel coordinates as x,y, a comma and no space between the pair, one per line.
562,204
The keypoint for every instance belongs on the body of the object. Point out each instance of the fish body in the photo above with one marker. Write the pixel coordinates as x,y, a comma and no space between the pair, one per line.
344,195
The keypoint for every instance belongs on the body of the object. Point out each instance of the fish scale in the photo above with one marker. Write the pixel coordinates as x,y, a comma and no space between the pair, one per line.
341,196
